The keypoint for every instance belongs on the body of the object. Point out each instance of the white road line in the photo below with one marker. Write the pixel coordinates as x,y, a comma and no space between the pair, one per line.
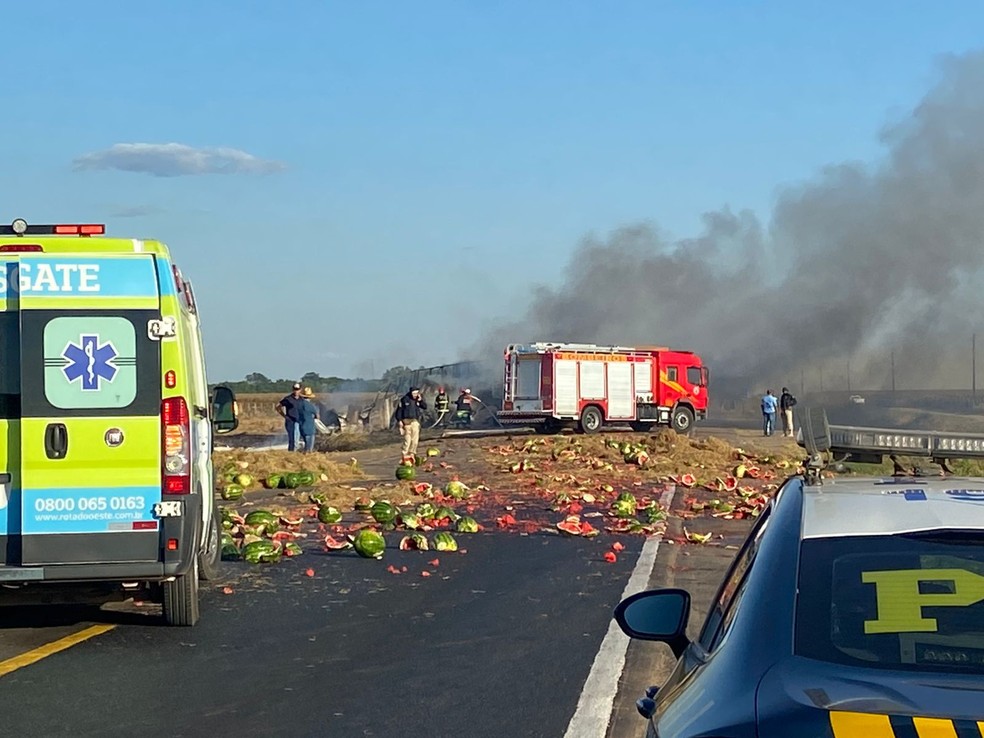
594,708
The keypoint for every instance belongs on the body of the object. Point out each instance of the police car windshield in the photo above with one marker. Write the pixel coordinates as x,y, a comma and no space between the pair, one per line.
913,602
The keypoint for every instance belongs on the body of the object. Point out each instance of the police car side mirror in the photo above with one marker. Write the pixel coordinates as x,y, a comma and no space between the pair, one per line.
225,410
656,615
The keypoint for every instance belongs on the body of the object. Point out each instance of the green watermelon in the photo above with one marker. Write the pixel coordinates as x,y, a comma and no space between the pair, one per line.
456,489
445,512
244,480
419,460
329,515
444,541
230,552
369,543
306,478
467,525
274,481
410,521
414,542
406,473
292,480
292,549
268,520
433,452
227,539
232,492
625,505
261,552
363,504
426,510
384,512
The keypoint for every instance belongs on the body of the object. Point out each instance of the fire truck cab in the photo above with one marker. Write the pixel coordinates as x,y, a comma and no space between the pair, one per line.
553,385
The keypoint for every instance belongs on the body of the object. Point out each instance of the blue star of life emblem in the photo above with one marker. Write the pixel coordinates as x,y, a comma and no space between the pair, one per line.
90,362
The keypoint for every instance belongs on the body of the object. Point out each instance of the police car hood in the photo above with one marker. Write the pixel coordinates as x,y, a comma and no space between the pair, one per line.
801,697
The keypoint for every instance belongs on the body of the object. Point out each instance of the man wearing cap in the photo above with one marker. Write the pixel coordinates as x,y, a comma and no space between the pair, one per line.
290,410
409,415
307,414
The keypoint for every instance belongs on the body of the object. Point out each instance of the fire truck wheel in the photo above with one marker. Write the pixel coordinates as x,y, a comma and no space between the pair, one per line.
683,420
591,419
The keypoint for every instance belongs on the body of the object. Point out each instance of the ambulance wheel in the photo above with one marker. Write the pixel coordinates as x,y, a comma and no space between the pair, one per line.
210,559
591,420
180,605
683,420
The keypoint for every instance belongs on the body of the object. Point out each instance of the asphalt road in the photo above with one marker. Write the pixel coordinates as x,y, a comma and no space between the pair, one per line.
498,641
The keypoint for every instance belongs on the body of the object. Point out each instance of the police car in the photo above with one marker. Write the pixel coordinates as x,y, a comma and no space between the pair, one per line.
855,607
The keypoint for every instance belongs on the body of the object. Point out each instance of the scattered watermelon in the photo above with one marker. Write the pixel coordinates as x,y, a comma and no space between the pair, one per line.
406,473
414,542
444,541
230,552
232,492
410,521
334,544
329,515
571,526
363,504
268,520
265,552
369,543
433,452
625,505
244,480
467,525
274,481
426,510
456,490
419,460
290,522
292,480
445,513
292,549
306,478
384,512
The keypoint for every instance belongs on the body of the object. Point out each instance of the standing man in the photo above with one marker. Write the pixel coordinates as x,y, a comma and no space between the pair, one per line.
289,409
786,402
307,415
409,415
769,406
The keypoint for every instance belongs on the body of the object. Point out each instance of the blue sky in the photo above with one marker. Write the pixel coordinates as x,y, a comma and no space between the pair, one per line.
394,177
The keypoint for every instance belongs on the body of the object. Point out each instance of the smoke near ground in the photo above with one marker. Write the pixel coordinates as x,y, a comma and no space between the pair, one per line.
861,262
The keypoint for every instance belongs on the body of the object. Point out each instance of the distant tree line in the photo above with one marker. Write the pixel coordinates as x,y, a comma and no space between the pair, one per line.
395,379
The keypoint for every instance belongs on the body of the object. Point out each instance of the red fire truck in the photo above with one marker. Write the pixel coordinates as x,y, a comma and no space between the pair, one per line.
551,385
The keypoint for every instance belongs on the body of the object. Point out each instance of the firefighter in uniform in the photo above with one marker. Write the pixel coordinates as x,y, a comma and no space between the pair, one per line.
442,403
464,406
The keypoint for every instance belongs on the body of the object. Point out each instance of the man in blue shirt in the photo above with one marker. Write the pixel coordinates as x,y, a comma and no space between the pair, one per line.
289,408
769,406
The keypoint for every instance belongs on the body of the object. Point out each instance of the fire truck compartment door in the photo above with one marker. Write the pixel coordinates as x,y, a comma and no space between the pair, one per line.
621,393
643,375
592,380
565,388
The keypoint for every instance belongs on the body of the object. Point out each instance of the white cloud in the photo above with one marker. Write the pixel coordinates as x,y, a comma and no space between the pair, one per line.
175,160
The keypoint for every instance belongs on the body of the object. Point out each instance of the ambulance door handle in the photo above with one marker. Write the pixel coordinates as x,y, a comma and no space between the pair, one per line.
4,478
56,440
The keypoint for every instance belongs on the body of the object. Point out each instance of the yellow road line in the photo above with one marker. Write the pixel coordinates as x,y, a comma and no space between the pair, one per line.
34,655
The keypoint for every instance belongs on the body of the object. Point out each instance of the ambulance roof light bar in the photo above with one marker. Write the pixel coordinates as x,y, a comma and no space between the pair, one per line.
20,227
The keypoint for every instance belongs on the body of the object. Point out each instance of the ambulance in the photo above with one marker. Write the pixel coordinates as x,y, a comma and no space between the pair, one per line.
106,421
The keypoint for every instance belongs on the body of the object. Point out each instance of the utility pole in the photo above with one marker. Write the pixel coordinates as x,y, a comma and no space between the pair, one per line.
973,368
893,371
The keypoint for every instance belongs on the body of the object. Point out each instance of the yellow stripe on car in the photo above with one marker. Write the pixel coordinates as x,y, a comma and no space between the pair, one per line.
860,725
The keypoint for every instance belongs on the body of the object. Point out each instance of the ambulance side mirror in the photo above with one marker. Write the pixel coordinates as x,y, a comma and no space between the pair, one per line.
225,410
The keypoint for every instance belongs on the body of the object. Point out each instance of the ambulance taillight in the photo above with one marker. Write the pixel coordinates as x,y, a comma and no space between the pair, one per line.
176,434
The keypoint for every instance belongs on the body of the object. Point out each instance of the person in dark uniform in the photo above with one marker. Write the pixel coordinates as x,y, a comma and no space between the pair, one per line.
410,414
289,409
442,403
